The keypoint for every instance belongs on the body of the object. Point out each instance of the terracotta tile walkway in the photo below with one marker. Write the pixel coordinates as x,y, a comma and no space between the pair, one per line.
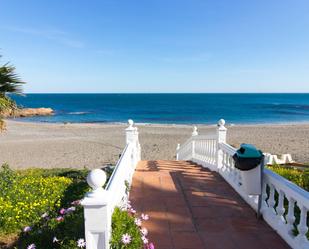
192,208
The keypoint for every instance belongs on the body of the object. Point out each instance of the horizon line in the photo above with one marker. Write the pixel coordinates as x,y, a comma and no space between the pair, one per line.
166,93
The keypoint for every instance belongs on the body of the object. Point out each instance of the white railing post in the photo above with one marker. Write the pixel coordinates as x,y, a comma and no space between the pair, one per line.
177,152
221,138
132,138
130,132
96,212
194,133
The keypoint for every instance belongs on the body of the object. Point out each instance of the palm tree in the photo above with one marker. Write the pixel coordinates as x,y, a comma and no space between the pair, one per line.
10,83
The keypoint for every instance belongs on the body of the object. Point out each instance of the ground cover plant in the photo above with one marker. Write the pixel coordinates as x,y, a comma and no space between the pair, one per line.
39,208
128,231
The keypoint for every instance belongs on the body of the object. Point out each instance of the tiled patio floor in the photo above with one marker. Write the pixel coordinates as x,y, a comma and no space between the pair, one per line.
191,208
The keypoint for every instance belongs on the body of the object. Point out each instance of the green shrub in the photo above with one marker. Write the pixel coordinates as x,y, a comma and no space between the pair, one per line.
297,176
123,223
36,197
24,198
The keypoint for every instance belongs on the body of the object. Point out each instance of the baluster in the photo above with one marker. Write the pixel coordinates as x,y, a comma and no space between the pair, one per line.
235,176
205,150
224,160
264,197
228,165
214,152
302,226
271,200
291,217
280,208
196,149
208,151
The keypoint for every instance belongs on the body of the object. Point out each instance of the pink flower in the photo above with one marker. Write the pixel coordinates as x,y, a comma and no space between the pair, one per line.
75,203
59,218
126,239
151,246
145,240
62,211
132,210
145,216
144,231
27,229
138,222
81,243
32,246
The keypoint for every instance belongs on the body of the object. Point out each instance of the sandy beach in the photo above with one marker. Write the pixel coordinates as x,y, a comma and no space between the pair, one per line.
47,145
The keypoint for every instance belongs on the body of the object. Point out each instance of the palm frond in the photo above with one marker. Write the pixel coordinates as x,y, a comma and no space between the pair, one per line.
10,82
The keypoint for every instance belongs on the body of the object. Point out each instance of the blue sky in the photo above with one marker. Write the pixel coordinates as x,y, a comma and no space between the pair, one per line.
157,45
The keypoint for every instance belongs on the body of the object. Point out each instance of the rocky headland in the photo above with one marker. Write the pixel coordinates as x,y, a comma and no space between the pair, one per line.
27,112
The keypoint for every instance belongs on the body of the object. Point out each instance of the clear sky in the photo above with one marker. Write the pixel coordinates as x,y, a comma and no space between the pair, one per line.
157,45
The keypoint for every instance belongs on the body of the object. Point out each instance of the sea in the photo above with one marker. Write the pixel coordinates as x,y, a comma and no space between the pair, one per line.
170,108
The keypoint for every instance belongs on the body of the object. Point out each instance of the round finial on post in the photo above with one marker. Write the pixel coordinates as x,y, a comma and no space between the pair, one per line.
195,132
96,179
221,122
130,122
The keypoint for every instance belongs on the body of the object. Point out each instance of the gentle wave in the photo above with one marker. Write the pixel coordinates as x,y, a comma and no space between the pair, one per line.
78,113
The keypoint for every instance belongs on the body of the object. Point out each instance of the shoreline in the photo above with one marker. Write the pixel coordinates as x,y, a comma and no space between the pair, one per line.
93,145
293,123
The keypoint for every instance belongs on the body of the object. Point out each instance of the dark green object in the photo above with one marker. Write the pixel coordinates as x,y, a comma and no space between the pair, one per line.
247,157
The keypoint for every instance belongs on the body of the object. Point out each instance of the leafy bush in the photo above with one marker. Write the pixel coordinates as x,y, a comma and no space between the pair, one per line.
6,104
24,198
297,176
39,206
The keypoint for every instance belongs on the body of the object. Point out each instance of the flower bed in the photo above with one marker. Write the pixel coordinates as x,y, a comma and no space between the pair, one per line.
128,231
40,208
37,208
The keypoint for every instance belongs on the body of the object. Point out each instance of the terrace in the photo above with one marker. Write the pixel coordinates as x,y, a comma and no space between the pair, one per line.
197,201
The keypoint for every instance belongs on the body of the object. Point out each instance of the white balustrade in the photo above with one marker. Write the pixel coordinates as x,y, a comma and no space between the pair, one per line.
281,201
99,203
288,197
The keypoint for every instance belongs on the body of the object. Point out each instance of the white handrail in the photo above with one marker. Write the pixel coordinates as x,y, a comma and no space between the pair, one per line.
213,152
276,216
99,203
117,168
121,178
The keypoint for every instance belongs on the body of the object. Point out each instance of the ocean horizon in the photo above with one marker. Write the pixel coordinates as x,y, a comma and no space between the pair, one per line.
169,108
